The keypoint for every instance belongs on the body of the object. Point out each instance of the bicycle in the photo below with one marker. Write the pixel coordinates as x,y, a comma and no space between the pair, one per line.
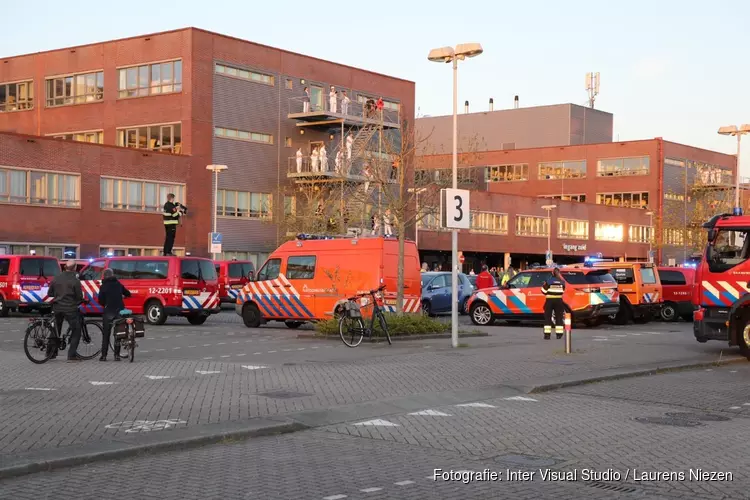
350,322
127,337
42,328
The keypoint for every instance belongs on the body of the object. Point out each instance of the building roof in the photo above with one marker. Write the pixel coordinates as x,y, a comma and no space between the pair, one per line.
203,31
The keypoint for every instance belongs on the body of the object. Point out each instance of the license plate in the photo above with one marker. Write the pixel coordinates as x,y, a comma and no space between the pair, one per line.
32,287
191,292
237,287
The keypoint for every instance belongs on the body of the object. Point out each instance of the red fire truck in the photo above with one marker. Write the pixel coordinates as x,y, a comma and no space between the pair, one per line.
721,283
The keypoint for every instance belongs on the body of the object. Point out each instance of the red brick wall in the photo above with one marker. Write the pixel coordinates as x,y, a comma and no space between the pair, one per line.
88,225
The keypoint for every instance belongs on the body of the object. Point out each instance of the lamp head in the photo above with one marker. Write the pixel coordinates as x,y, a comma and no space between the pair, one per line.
216,168
443,54
548,207
469,49
745,129
729,130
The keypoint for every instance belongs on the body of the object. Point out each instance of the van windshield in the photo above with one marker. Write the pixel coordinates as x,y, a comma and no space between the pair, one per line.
36,266
729,249
591,278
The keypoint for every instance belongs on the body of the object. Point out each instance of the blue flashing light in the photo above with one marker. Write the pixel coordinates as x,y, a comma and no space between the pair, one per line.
110,254
737,211
91,259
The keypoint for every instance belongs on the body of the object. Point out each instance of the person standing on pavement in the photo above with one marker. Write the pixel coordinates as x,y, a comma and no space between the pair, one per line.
484,279
553,289
66,291
111,295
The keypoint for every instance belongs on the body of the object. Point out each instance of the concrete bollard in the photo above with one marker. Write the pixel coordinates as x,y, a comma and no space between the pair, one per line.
568,340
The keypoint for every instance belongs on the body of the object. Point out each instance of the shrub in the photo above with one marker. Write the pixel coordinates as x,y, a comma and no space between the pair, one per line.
406,324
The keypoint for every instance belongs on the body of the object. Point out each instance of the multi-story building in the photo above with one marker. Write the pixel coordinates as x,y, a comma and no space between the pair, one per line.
651,176
79,200
219,99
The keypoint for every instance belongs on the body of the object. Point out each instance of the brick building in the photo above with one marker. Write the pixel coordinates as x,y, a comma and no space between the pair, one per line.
649,176
219,99
55,198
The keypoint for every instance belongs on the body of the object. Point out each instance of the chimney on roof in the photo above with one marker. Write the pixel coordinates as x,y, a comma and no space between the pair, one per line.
492,104
466,106
515,102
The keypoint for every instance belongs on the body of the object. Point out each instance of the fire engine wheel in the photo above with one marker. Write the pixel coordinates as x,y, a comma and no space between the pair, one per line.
251,315
155,314
744,341
481,314
293,324
4,311
668,312
197,319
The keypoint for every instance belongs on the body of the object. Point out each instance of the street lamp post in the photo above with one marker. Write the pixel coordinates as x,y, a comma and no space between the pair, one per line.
549,209
453,55
739,132
650,236
216,169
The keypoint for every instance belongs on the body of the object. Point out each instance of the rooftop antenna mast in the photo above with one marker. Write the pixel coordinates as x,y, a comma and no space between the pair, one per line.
592,87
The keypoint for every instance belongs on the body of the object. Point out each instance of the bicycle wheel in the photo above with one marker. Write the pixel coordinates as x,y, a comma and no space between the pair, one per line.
36,340
351,330
131,341
384,327
91,339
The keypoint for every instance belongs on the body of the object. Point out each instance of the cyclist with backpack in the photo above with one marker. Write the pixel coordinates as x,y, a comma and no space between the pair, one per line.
111,295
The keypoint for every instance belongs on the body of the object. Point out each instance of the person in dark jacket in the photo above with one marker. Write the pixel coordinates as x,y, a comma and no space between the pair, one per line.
110,297
171,214
553,289
66,291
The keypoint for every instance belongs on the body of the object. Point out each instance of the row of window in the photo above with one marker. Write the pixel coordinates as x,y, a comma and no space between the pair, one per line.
243,204
16,96
136,195
59,251
630,200
32,187
150,79
610,167
566,197
243,135
165,137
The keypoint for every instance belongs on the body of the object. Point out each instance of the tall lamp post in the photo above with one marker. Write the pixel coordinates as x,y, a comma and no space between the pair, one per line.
453,55
739,132
549,209
651,236
216,169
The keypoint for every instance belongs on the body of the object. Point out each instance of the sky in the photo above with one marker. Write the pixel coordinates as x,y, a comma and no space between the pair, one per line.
669,68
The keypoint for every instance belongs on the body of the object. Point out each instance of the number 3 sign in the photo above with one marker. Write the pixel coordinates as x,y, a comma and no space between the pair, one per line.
454,209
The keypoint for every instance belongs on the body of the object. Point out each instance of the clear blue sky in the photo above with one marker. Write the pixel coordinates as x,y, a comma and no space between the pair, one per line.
669,68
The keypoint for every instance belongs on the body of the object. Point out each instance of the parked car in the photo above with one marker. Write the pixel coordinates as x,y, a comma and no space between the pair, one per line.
677,289
437,291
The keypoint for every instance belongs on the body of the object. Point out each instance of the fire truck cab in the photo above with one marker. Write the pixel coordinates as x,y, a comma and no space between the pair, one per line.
721,283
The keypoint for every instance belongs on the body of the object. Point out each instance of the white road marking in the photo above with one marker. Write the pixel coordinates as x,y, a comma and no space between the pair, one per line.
315,347
270,352
221,343
655,333
620,335
477,405
257,353
709,369
285,350
254,367
243,354
206,372
100,383
431,413
157,377
39,389
732,371
600,340
175,348
403,483
191,346
636,334
378,422
370,490
427,346
236,342
745,404
209,357
735,408
334,497
519,398
178,335
226,356
248,341
300,348
206,345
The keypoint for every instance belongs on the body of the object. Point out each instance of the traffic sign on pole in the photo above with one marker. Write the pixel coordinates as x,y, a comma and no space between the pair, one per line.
454,209
215,240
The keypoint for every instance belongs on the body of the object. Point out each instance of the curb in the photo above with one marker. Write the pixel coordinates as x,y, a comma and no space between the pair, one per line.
618,374
396,338
178,439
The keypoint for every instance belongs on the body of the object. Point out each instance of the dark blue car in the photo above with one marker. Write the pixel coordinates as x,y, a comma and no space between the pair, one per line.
436,292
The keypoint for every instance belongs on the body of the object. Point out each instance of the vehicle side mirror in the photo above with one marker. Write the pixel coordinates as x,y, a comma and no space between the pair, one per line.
251,276
711,235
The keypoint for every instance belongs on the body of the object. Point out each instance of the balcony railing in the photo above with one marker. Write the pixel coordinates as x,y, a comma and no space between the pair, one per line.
356,169
300,107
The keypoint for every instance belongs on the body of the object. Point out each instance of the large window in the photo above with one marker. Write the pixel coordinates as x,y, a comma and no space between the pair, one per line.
34,187
608,231
197,269
75,89
150,79
489,222
507,173
243,135
16,96
633,200
668,277
562,170
300,268
614,167
140,269
243,204
93,136
34,266
162,137
270,270
566,197
640,234
573,229
253,76
59,250
529,225
675,237
138,195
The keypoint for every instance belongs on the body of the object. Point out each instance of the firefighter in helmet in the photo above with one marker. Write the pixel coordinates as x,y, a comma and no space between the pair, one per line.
553,289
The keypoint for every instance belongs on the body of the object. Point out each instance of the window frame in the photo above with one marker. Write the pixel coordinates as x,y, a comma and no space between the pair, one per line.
666,279
489,177
266,265
610,172
21,105
236,134
221,205
9,198
599,238
517,226
50,84
123,134
307,275
648,238
569,235
601,197
486,230
70,136
179,189
561,164
250,72
149,88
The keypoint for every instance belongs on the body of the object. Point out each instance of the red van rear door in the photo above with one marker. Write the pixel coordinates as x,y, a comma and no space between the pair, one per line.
34,277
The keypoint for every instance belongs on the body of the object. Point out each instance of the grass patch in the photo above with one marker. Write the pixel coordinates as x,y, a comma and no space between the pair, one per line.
404,325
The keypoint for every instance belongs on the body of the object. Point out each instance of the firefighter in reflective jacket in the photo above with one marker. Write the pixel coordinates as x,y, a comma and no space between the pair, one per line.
171,215
553,289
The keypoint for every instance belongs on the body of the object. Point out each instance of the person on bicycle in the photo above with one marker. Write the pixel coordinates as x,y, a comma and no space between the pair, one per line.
111,295
67,293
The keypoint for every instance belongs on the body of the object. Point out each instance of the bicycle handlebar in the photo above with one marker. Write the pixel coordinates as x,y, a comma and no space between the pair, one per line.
371,292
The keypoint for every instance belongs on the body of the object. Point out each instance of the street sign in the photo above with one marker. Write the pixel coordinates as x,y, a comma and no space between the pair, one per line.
454,209
215,240
548,257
